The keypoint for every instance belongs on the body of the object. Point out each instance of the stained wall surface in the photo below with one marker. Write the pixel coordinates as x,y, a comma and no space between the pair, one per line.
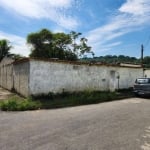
57,77
35,77
6,73
21,78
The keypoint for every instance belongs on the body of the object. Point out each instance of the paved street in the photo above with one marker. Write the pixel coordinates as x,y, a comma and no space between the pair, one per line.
119,125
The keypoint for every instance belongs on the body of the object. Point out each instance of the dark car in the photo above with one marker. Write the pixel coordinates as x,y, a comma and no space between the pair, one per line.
142,87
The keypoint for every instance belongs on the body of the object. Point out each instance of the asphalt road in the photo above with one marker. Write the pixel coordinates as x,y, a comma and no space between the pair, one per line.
119,125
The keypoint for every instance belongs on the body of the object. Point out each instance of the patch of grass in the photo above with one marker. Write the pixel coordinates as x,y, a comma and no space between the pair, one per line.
60,100
19,104
66,99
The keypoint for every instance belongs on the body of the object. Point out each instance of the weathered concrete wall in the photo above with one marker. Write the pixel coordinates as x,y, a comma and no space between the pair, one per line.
6,78
33,77
6,73
56,77
21,78
147,73
128,76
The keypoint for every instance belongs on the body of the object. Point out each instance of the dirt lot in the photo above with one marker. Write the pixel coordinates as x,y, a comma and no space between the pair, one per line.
4,94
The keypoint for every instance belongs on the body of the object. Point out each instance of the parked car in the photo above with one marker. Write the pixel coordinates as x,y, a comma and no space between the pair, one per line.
142,87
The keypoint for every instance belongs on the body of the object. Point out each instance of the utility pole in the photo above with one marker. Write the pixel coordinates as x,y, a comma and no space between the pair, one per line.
142,50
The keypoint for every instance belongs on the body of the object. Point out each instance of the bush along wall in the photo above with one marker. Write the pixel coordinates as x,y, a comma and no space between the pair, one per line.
64,99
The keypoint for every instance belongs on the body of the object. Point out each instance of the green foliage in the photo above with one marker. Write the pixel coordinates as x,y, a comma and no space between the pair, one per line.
17,104
16,56
46,44
79,48
41,44
4,48
146,62
113,59
64,99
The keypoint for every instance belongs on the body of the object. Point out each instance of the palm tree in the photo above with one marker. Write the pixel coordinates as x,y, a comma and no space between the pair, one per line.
4,48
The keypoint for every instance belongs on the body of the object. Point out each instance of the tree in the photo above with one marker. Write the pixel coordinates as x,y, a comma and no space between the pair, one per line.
46,44
41,44
81,47
60,45
4,48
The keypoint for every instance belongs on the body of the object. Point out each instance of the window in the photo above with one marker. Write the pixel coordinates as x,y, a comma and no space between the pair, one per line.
142,81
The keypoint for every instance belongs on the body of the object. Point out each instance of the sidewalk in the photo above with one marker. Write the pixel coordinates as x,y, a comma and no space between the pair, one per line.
4,94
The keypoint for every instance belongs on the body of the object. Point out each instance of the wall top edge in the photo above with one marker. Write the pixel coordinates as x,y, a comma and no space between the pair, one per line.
122,65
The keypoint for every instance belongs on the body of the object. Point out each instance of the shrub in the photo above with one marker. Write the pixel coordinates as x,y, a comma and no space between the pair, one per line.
65,99
15,104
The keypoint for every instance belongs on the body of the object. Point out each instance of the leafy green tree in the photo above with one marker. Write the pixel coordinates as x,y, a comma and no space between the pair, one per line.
46,44
113,59
146,61
4,48
69,55
61,41
80,47
41,44
60,45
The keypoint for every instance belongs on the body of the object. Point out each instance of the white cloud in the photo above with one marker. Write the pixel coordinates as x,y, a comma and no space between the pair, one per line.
55,10
105,47
135,7
132,16
18,43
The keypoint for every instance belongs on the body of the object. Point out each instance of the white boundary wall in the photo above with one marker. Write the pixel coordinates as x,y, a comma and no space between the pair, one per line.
35,77
57,77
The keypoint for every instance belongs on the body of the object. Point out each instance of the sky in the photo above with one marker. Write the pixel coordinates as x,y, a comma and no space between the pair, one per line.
112,27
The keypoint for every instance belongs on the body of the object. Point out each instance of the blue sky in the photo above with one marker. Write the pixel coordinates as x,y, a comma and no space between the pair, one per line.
112,27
